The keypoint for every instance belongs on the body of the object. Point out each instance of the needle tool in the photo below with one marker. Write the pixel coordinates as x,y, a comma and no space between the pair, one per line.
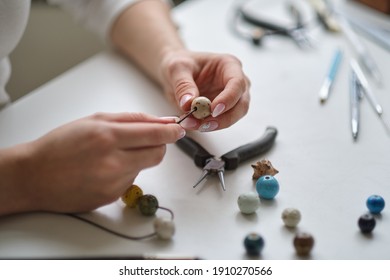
362,53
354,103
187,115
329,80
363,83
228,161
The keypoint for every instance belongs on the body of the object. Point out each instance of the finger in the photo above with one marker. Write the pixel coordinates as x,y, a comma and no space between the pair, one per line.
136,160
139,135
183,84
132,117
232,93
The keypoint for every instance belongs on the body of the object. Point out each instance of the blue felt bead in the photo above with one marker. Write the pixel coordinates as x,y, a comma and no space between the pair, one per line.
267,187
375,204
254,244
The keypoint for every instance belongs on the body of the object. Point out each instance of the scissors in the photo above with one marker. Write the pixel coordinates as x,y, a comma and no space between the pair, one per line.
228,161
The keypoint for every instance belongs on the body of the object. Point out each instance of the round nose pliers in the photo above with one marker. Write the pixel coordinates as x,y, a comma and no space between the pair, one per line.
228,161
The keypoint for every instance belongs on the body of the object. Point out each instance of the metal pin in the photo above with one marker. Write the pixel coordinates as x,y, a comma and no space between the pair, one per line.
187,115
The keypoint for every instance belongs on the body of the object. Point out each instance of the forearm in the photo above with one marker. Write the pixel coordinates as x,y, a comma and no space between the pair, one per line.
145,32
13,198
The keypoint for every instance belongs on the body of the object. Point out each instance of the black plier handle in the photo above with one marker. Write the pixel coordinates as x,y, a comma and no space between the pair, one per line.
234,157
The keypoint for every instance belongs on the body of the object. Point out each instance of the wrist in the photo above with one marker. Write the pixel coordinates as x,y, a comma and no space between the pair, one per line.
15,191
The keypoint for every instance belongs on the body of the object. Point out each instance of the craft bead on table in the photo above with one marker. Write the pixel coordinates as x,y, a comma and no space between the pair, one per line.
254,244
267,187
248,203
291,217
366,223
375,204
303,243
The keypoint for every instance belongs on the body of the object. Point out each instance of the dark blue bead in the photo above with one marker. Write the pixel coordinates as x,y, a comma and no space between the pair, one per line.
267,187
366,223
254,244
375,204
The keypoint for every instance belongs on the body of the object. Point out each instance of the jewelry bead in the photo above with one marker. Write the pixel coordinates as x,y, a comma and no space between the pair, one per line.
291,217
203,107
248,202
254,244
267,187
164,227
375,204
148,204
303,243
131,196
366,223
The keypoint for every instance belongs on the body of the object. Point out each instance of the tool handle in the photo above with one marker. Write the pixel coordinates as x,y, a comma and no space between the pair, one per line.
262,145
194,150
262,23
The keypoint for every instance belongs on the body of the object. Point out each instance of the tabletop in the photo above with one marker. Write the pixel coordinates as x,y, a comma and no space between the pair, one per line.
322,171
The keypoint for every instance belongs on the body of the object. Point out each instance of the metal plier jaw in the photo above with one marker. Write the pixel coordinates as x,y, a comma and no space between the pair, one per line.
228,161
213,165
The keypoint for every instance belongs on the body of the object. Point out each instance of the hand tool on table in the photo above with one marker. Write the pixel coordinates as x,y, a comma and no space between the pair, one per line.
228,161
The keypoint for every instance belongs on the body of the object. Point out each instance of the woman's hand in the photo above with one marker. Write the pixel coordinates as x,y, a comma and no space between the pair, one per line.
85,164
219,77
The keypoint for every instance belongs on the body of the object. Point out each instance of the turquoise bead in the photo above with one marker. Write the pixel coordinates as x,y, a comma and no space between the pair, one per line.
375,204
254,244
267,187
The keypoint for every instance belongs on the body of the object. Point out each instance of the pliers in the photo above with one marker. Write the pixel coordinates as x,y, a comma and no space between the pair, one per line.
228,161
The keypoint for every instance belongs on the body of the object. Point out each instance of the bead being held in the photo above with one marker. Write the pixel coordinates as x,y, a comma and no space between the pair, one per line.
262,168
148,205
164,227
303,243
375,204
248,203
131,196
267,187
254,244
203,107
291,217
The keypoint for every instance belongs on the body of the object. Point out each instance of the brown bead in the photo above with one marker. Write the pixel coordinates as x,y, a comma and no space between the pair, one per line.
303,243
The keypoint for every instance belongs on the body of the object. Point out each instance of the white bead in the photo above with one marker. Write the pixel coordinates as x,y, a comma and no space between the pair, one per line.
248,202
164,227
203,107
291,217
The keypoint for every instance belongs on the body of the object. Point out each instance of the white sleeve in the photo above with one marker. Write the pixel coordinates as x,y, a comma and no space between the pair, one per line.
95,15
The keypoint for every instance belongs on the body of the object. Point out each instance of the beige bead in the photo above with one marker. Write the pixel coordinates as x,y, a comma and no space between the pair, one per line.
164,227
203,107
291,217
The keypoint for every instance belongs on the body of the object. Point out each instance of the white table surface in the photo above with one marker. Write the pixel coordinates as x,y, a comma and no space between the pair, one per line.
323,173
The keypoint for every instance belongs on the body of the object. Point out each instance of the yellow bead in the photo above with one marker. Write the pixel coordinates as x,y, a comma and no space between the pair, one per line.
132,195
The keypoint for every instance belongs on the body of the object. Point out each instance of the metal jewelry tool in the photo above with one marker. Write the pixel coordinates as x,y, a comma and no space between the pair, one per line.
228,161
187,115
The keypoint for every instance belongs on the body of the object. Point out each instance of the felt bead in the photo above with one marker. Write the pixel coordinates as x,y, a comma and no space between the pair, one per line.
291,217
248,203
366,223
148,204
164,227
375,204
303,243
131,196
254,244
267,187
203,107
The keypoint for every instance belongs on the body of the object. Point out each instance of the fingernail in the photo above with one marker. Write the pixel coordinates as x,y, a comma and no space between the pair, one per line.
170,118
182,133
209,126
218,110
184,99
189,123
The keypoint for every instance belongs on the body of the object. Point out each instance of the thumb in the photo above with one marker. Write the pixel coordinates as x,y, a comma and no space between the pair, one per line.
185,88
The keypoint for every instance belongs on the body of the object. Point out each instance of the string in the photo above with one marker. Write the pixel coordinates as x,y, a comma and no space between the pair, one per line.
116,233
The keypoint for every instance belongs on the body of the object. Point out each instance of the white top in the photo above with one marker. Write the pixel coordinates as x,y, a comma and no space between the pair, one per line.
96,15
